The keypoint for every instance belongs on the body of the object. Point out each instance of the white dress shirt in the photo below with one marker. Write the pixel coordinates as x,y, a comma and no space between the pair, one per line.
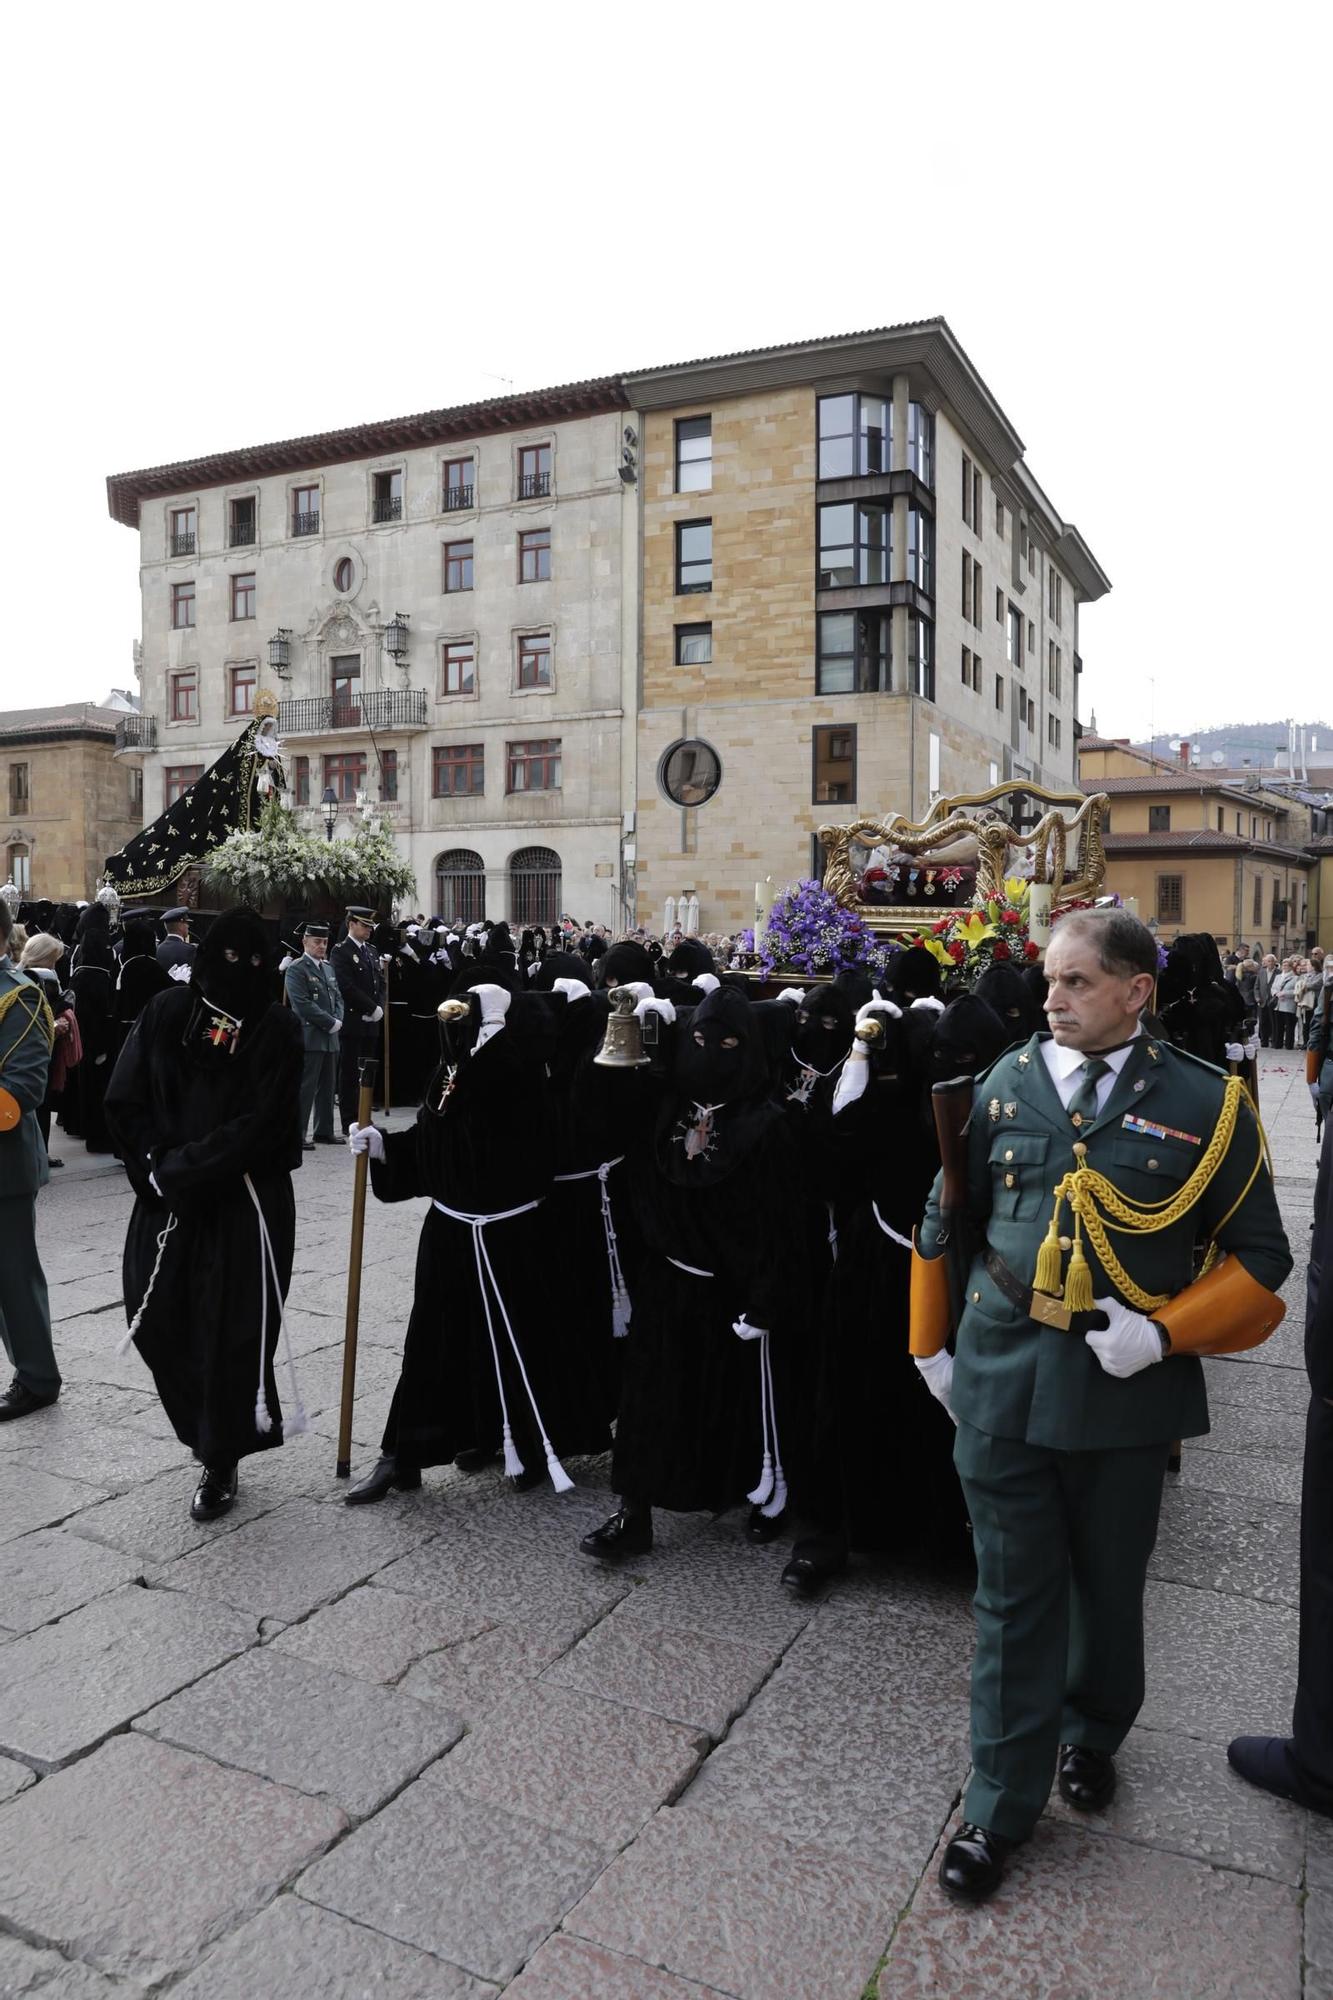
1066,1070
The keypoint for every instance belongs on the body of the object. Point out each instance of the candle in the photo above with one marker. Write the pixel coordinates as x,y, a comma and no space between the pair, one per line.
1039,914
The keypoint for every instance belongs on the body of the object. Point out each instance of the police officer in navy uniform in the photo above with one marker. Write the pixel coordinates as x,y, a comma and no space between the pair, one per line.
361,983
1076,1362
176,947
314,996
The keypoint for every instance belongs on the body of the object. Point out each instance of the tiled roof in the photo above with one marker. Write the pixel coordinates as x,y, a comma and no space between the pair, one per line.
58,721
791,346
1198,840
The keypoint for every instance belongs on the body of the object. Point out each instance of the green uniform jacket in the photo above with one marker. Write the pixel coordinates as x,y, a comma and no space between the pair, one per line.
313,995
1014,1378
24,1062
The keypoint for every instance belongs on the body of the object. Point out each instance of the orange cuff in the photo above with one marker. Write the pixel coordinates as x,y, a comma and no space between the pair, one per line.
1221,1314
929,1305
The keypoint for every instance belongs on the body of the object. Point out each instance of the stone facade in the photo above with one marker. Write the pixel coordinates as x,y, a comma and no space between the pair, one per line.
67,800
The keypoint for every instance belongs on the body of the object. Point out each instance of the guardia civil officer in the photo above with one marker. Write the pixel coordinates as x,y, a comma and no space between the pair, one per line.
177,947
1076,1361
314,996
26,1035
357,968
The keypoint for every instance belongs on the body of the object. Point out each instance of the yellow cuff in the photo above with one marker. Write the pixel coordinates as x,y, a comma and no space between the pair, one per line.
1221,1314
929,1304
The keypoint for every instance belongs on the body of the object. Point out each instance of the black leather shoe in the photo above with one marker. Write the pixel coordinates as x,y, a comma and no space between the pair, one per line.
973,1863
1087,1777
623,1535
760,1528
813,1566
20,1402
475,1459
215,1494
327,1139
377,1485
1270,1763
307,1145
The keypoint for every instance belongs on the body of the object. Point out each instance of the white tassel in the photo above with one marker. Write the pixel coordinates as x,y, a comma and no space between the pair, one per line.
122,1345
514,1465
560,1479
779,1501
263,1421
620,1312
774,1506
620,1298
765,1486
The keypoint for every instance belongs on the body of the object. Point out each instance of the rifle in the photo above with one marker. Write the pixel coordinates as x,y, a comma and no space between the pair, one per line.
364,1115
951,1103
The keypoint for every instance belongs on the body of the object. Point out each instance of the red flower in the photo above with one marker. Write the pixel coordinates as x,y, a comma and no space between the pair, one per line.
1001,949
1030,950
1010,917
938,930
957,951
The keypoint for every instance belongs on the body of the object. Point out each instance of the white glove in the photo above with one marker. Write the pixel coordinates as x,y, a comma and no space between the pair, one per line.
180,973
335,1029
707,982
366,1139
152,1182
936,1371
1128,1344
794,994
662,1007
744,1331
878,1006
1235,1052
573,989
378,1015
929,1003
639,988
852,1078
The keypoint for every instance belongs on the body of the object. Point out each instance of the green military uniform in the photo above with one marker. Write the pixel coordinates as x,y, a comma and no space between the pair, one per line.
1062,1463
314,997
25,1057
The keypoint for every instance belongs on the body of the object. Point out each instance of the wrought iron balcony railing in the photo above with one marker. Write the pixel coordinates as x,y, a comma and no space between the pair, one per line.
136,732
534,485
456,497
241,535
182,545
388,507
375,709
305,524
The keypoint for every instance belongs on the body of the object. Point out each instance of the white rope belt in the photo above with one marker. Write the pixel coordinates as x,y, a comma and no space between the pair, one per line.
770,1495
692,1269
514,1466
904,1242
620,1299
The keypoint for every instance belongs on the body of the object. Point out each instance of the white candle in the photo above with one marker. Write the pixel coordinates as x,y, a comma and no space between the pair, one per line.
1039,914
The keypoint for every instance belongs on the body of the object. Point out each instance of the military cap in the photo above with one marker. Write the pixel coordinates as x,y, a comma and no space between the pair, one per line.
359,913
175,916
314,930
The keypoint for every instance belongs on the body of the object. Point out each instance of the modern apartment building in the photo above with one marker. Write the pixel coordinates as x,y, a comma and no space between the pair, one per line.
445,607
855,596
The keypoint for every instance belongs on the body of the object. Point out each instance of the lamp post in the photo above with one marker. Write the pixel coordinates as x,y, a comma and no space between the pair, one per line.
280,652
329,803
395,638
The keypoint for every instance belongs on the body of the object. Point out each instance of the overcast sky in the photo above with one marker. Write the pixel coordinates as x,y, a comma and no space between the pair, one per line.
225,227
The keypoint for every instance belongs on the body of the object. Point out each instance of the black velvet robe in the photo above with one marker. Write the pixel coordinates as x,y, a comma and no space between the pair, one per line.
201,1120
93,983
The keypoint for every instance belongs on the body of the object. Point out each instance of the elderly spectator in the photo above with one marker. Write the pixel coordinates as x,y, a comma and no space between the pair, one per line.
1284,1005
1264,993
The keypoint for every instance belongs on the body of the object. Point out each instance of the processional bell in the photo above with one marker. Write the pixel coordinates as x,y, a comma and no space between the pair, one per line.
622,1044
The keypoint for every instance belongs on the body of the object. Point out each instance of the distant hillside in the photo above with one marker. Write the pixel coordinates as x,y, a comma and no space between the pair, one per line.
1241,743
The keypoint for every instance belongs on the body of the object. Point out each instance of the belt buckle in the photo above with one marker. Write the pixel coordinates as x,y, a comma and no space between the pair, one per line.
1050,1312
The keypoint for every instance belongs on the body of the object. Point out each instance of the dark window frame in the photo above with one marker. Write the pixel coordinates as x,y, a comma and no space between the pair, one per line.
183,681
1159,819
455,561
530,652
1169,898
242,674
244,595
697,629
857,435
534,755
693,587
682,434
467,764
833,729
183,599
345,774
466,650
177,780
534,542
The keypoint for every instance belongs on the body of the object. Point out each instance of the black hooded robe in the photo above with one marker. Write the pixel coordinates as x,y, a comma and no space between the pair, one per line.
93,984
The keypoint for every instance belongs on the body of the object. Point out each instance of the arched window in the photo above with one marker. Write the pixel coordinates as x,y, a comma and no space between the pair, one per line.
19,868
460,886
534,886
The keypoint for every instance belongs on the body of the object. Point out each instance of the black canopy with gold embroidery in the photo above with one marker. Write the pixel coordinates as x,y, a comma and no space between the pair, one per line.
223,800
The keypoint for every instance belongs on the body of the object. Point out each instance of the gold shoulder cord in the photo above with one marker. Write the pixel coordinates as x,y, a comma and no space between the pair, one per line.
1086,1191
40,1016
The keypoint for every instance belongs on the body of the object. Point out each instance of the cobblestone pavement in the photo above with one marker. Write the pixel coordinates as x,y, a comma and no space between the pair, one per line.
426,1749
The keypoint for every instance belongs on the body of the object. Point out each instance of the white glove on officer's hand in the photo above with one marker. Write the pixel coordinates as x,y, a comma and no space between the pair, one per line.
366,1139
936,1371
378,1015
1235,1051
335,1028
1128,1344
662,1007
744,1331
793,993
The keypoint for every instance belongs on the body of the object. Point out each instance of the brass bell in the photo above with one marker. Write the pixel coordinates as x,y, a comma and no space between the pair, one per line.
869,1030
453,1010
622,1044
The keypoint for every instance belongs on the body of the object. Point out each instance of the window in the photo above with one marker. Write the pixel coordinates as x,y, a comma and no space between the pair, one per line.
967,586
1170,899
534,660
241,522
345,687
921,443
1258,899
1053,731
389,775
1054,669
1279,906
921,550
694,557
344,574
972,590
458,484
534,766
458,661
458,770
182,606
305,510
1238,825
534,556
855,436
534,472
183,525
301,780
18,866
1159,819
136,789
853,544
854,652
243,595
241,689
460,887
972,496
999,692
921,655
345,774
177,780
834,765
1253,824
971,670
999,519
534,886
1221,816
387,499
457,566
183,699
1032,637
694,645
1054,594
690,772
1032,557
999,607
694,454
18,789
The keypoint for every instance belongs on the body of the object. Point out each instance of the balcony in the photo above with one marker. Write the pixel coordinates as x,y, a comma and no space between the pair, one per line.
182,545
242,534
534,486
457,497
386,507
305,524
386,709
136,733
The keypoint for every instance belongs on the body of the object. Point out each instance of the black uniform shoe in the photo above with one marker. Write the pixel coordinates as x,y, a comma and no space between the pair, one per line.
377,1485
327,1139
1087,1777
624,1534
813,1565
20,1402
1270,1763
973,1863
475,1459
307,1145
215,1494
760,1527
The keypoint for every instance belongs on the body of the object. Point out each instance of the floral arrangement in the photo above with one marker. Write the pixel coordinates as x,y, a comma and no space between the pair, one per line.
809,931
278,862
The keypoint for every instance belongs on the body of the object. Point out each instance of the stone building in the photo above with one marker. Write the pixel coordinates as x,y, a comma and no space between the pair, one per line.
444,605
855,596
67,800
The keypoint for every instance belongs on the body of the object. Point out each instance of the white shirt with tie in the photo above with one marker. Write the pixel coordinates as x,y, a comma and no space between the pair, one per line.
1066,1069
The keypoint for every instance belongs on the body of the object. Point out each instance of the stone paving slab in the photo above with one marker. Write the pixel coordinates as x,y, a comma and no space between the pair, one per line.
378,1634
688,1677
718,1902
1273,1388
14,1778
1217,1666
114,1457
49,1572
715,1582
107,1861
79,1982
152,1522
1225,1542
576,1764
1205,1471
1318,1944
308,1727
66,1686
1319,1851
569,1968
1081,1915
31,1498
1261,1433
290,1561
302,1952
467,1574
475,1884
24,1969
473,1677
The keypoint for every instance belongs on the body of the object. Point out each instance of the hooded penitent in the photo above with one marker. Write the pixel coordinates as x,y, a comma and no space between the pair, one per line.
1004,988
1198,1010
914,974
140,975
233,969
968,1036
624,964
93,982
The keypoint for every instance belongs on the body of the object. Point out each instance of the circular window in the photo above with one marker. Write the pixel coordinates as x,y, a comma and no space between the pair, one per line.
690,772
344,573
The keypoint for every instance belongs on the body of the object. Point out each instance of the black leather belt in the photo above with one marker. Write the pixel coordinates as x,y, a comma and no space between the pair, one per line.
1037,1305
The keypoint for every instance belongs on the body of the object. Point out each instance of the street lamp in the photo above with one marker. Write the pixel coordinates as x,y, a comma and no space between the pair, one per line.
280,651
395,637
329,802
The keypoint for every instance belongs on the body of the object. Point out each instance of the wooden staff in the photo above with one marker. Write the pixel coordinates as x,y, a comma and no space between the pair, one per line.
388,1097
364,1114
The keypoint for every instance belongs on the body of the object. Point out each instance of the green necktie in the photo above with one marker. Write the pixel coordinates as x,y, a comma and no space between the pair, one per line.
1083,1104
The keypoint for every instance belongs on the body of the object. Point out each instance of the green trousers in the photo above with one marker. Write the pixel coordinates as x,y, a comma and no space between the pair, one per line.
1062,1543
25,1309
